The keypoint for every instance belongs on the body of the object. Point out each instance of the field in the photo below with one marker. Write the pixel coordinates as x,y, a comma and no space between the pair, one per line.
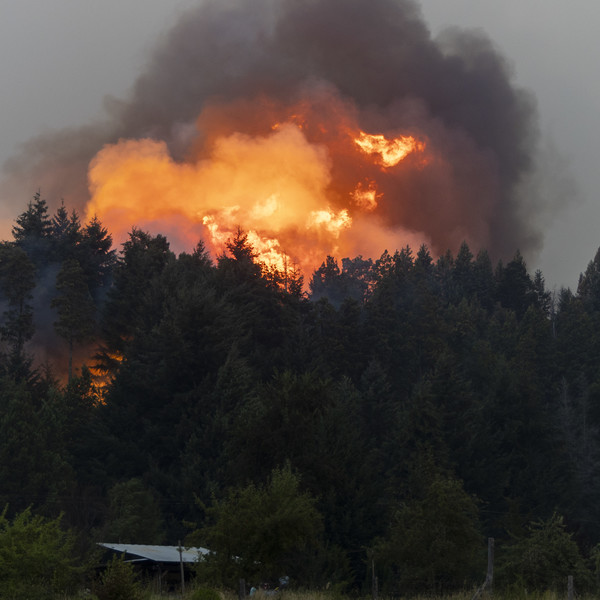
328,595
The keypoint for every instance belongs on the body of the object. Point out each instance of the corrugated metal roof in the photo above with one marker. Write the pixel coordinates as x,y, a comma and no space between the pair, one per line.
159,554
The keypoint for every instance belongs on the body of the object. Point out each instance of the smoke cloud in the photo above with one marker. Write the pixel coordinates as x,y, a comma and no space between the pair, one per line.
233,68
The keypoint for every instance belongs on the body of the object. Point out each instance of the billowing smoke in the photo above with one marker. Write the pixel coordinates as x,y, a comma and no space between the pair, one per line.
248,108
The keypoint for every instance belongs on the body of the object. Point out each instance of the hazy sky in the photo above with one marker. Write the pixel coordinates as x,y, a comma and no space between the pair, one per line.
60,59
553,47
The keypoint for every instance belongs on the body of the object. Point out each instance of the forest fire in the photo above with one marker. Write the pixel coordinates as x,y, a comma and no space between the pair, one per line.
334,127
391,152
299,187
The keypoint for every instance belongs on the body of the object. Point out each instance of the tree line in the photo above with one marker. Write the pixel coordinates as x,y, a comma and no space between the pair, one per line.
398,412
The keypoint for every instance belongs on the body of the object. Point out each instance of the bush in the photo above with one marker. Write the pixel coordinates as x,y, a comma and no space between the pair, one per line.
543,559
259,532
36,558
434,543
205,594
119,582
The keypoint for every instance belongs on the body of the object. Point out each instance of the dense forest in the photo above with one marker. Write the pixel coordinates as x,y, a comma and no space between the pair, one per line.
391,413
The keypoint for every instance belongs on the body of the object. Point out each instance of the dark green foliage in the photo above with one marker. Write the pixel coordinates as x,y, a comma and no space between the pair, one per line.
204,593
434,545
354,280
34,469
133,515
33,231
65,234
95,256
37,558
239,267
515,290
129,305
484,285
258,532
119,582
588,288
543,559
74,306
16,286
405,387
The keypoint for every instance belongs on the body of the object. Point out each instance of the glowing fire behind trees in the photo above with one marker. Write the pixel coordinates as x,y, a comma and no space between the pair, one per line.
320,127
303,182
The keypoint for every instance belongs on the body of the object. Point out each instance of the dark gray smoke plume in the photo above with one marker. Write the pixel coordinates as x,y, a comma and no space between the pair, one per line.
377,55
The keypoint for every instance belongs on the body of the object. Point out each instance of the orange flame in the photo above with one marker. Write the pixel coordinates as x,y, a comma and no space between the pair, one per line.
103,377
366,198
293,182
391,152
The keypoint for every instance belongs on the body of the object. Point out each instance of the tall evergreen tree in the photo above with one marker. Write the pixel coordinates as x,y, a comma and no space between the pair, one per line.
142,259
96,256
463,271
240,265
65,234
17,281
75,308
515,289
483,280
434,542
33,465
588,288
33,230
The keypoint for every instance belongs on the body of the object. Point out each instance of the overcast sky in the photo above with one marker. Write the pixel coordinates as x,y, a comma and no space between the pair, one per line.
60,59
553,47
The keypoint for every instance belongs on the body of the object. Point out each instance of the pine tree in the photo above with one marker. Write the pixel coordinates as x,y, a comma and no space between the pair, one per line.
96,257
65,234
483,280
33,229
260,531
588,288
142,259
434,543
17,281
75,307
515,289
463,271
240,266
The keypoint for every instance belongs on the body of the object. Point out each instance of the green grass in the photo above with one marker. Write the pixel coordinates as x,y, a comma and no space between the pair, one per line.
330,595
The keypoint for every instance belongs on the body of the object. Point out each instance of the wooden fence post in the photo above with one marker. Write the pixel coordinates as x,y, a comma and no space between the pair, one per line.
489,579
570,587
242,589
181,569
375,583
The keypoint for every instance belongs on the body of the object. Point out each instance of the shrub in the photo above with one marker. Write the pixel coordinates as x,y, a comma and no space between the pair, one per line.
205,594
119,582
259,531
543,559
36,557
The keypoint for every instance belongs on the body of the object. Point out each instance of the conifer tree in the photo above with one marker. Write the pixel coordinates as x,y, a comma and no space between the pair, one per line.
240,266
65,234
17,281
515,289
142,259
33,229
96,256
75,307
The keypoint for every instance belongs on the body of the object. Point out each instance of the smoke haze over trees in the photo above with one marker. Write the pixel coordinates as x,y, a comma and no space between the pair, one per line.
224,61
401,397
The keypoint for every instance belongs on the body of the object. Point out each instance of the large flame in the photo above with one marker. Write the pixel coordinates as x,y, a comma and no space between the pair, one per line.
329,126
301,181
391,152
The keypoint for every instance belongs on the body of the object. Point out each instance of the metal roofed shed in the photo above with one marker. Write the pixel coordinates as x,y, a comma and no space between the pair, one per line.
155,554
162,564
